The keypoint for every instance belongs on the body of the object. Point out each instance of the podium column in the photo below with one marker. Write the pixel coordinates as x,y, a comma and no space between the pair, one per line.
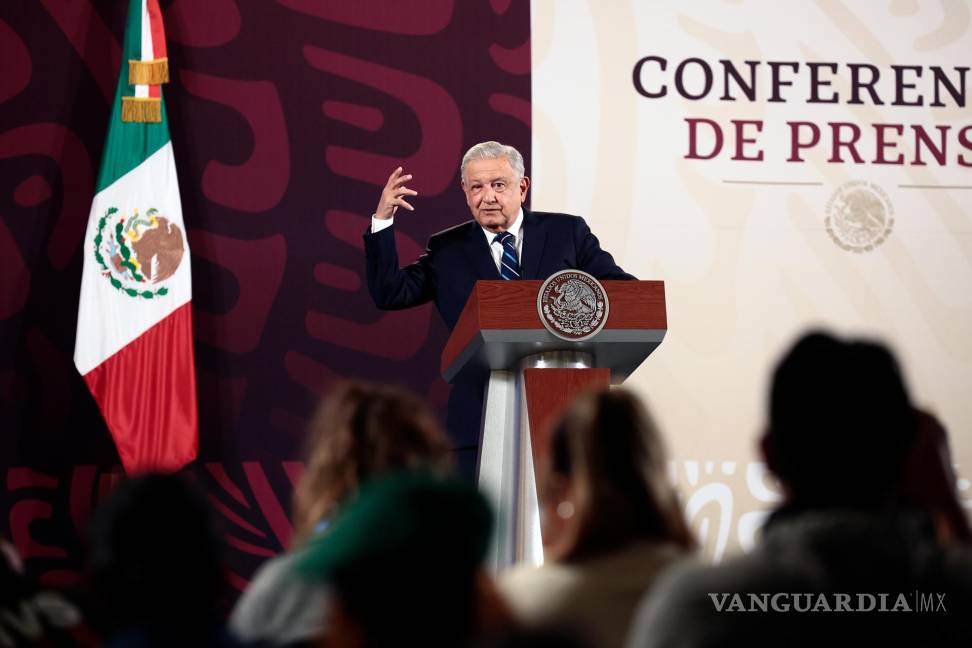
519,407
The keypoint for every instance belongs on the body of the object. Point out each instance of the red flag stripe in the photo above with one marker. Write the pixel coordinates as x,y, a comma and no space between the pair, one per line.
157,28
160,433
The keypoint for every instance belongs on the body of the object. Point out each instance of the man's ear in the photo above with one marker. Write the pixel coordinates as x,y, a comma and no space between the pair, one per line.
524,187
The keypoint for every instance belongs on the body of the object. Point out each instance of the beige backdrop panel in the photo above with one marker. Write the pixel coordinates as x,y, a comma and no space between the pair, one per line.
748,267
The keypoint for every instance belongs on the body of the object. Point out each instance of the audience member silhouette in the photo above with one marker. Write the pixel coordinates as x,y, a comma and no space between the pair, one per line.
156,564
359,432
610,519
840,430
546,636
405,561
33,616
929,482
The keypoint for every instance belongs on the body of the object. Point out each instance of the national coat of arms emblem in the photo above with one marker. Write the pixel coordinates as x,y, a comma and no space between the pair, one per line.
139,253
573,305
859,216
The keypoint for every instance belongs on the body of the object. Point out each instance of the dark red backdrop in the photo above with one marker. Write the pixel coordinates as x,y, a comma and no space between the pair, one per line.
286,118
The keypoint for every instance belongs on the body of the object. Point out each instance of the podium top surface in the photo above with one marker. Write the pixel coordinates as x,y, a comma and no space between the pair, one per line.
500,325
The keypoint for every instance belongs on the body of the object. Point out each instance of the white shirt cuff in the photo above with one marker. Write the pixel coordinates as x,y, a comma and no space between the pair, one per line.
378,224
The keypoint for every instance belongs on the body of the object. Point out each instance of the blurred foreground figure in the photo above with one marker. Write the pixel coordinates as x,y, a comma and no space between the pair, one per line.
611,521
32,616
848,557
156,563
404,560
359,432
929,482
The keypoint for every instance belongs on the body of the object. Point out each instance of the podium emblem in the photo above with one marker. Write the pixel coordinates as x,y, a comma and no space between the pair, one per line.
573,305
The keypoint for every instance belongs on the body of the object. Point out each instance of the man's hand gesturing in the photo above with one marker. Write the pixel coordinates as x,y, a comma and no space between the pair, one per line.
392,196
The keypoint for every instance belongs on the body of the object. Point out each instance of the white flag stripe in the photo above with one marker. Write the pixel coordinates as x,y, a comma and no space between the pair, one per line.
147,49
143,90
108,319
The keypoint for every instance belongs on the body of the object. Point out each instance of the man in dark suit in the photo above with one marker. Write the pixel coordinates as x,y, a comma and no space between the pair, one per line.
495,187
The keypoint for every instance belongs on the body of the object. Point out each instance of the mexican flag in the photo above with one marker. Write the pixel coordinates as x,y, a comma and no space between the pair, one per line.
134,336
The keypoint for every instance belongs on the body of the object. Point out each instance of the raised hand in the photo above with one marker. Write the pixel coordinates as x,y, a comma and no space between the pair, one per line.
392,196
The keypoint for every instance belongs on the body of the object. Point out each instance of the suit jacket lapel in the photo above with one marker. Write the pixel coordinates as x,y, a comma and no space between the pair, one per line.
534,236
477,251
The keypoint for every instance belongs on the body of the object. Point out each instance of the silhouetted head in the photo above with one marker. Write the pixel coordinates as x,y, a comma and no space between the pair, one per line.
156,555
606,484
361,431
840,423
404,560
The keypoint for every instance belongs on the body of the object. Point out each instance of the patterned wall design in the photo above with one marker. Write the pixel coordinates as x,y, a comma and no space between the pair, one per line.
286,119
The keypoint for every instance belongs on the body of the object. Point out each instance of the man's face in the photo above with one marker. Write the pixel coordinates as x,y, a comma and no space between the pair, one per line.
493,194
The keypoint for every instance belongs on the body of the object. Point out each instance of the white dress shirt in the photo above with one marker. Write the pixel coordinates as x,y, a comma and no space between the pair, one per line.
495,248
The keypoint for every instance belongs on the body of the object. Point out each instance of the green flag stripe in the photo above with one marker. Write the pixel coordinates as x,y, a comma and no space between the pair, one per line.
128,144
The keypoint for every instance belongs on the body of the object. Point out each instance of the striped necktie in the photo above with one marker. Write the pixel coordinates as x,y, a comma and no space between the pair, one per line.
509,266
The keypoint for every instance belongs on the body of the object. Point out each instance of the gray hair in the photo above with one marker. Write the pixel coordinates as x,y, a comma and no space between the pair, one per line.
492,151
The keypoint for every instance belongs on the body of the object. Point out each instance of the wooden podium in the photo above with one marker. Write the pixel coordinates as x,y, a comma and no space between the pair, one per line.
530,375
